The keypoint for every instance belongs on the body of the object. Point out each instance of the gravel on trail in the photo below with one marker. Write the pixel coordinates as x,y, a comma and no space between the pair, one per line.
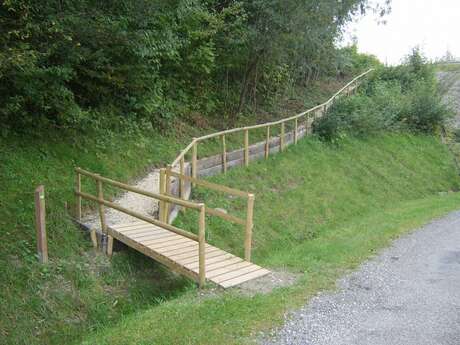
450,87
132,201
407,295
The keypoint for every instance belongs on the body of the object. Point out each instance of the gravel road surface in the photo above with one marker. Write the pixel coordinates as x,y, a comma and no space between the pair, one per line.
408,295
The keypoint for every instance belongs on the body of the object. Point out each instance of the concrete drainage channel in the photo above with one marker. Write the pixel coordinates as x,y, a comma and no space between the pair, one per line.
208,166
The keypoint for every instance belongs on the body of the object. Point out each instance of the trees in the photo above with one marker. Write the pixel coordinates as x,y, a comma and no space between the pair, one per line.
86,63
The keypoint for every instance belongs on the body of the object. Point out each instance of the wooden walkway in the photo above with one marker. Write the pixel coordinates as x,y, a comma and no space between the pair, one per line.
180,254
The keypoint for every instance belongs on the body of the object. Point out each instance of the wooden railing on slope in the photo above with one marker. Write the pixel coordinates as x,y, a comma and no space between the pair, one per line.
179,163
200,238
322,108
248,223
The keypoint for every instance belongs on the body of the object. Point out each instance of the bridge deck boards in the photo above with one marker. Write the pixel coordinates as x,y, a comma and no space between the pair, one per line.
180,254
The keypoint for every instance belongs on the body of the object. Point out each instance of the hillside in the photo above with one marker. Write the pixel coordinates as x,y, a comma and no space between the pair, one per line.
78,290
120,87
338,206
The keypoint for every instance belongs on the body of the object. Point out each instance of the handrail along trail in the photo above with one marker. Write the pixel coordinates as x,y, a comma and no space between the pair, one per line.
99,199
167,174
349,87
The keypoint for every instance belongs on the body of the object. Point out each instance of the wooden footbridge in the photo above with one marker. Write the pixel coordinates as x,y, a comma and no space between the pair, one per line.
184,252
187,252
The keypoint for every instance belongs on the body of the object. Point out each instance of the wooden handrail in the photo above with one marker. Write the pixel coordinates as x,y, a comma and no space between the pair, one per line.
165,174
139,215
202,245
162,223
226,216
162,197
267,124
183,152
210,185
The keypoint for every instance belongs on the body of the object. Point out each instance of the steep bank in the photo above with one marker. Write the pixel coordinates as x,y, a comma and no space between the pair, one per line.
320,210
80,290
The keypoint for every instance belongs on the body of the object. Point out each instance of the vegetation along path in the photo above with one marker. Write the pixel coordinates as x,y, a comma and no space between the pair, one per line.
411,291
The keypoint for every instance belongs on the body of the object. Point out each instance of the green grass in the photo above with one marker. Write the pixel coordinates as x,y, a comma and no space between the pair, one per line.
79,291
320,210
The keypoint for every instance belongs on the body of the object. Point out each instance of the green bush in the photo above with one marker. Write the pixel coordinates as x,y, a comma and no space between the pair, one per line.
397,98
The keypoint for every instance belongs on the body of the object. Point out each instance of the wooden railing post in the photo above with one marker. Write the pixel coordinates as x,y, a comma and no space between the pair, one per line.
267,143
78,198
224,155
162,204
167,192
100,195
282,137
249,225
40,224
194,160
246,147
202,246
296,125
181,180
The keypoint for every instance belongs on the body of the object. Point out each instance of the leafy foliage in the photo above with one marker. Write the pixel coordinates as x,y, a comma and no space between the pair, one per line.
80,64
398,98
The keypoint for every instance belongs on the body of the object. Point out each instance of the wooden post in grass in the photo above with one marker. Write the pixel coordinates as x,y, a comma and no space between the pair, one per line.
267,143
40,224
181,180
93,235
246,147
161,203
202,246
194,160
167,192
224,155
282,137
100,195
249,225
78,198
296,125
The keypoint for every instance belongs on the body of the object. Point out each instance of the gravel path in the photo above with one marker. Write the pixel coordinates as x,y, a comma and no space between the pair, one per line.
408,295
450,87
132,201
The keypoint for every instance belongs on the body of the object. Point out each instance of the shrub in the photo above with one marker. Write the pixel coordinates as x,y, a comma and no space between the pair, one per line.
395,98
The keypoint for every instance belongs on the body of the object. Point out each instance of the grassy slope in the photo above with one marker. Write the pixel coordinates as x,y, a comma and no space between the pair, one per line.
79,291
320,210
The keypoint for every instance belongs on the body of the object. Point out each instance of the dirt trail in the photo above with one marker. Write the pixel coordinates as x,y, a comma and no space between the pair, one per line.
132,201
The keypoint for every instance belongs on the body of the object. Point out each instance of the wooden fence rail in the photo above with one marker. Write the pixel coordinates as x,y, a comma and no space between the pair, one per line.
307,117
167,174
322,108
166,199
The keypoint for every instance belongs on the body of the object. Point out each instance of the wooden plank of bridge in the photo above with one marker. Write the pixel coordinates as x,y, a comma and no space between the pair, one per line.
180,254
